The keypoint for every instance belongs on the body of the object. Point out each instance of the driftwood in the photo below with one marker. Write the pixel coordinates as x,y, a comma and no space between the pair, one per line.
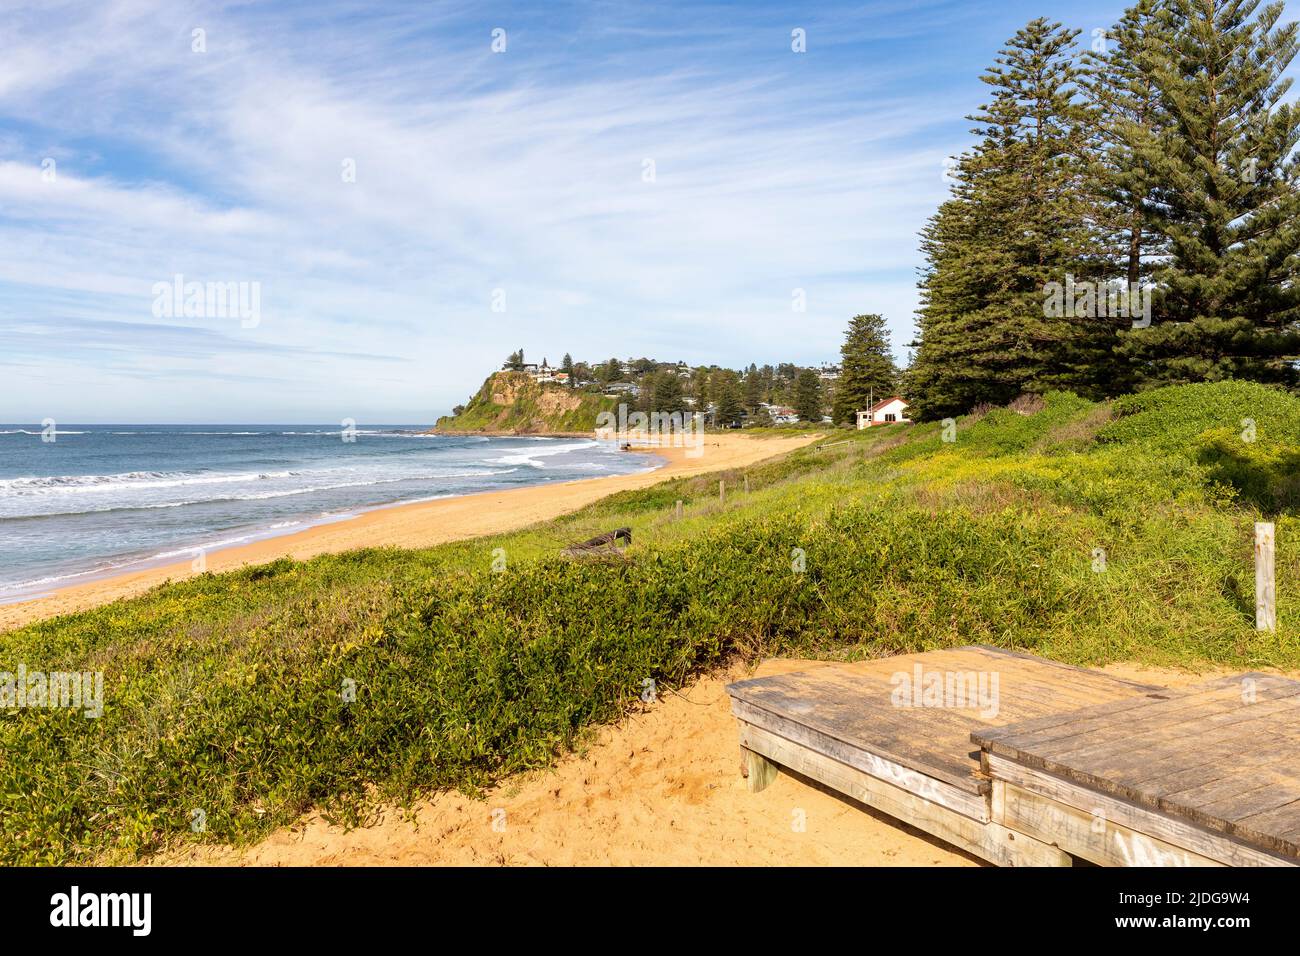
603,545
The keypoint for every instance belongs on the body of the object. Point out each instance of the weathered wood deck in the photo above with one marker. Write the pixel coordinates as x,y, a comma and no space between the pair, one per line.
1209,775
895,734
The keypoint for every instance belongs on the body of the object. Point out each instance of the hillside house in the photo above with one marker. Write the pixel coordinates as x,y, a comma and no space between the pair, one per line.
885,412
542,374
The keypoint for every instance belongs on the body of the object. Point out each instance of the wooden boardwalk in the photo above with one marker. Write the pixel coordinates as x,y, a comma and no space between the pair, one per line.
895,734
1024,761
1209,775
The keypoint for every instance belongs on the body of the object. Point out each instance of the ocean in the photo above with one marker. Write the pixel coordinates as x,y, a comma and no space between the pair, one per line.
102,499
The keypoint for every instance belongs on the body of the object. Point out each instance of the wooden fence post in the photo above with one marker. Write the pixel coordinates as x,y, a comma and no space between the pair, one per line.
679,509
1265,587
722,492
747,484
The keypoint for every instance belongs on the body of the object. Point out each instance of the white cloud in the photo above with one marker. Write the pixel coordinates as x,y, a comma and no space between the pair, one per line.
473,171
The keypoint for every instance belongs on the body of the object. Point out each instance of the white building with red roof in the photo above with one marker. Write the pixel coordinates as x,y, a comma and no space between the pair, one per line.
887,411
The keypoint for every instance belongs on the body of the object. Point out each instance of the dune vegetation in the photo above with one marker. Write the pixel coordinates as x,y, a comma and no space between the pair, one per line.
1081,531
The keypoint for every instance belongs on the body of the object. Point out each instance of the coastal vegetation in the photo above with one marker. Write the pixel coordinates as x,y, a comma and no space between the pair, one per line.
233,703
1153,179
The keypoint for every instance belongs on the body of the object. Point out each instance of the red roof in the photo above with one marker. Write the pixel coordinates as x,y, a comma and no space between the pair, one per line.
885,401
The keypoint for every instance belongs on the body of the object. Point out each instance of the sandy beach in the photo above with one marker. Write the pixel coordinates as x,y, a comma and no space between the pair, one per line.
415,525
660,788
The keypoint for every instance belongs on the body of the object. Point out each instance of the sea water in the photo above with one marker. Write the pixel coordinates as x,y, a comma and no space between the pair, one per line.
90,500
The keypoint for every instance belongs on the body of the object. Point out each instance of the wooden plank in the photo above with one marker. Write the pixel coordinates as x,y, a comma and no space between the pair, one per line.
954,769
1268,796
989,841
1020,688
1123,715
1214,764
1192,777
1152,823
966,802
1215,756
1092,837
1154,742
1282,820
1076,673
1049,724
856,704
1089,731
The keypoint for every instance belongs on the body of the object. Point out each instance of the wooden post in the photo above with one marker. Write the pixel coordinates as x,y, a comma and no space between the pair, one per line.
679,509
747,484
757,770
722,492
1265,589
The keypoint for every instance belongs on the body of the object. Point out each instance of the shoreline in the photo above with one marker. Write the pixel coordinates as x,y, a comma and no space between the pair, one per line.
411,524
179,554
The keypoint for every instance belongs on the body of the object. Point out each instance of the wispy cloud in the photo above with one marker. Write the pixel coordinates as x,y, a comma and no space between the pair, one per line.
524,171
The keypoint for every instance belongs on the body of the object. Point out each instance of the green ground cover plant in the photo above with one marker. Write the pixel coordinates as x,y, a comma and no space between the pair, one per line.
1084,532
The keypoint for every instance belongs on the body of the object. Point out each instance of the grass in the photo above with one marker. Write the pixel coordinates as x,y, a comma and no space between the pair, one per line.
1087,533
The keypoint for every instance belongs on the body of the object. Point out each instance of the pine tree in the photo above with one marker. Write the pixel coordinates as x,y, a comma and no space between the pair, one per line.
730,409
753,390
566,366
766,375
1226,197
808,396
867,367
1128,120
1016,222
703,394
645,395
937,383
668,395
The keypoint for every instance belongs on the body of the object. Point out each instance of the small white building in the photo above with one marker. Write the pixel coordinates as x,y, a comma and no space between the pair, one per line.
885,412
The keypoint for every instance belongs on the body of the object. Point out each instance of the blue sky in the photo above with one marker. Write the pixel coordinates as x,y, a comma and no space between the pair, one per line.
522,171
